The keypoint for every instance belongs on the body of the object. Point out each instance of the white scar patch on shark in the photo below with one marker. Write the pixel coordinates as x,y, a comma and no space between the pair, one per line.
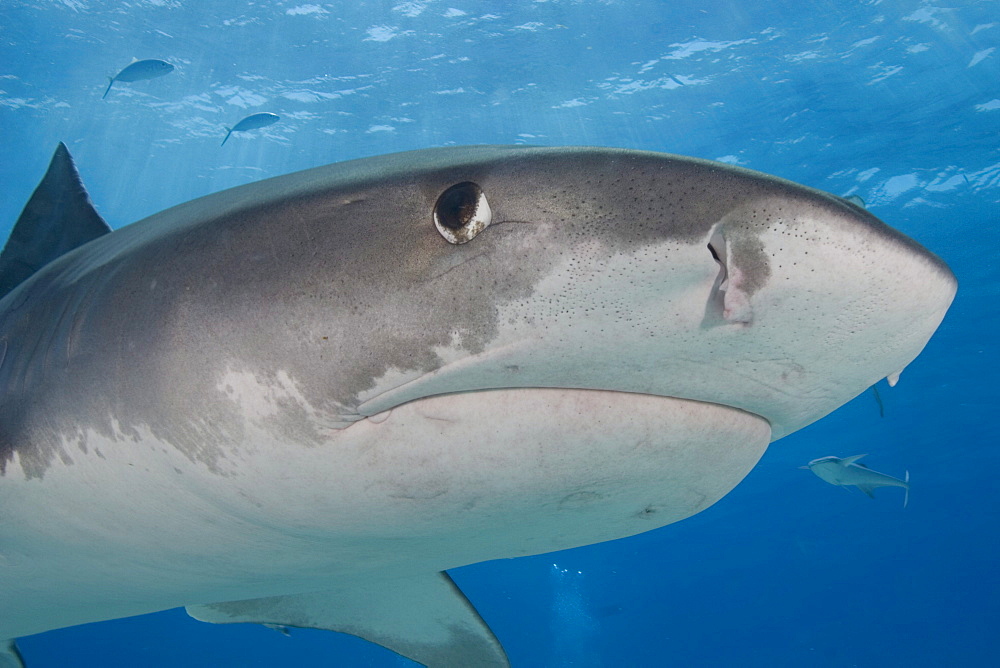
266,403
395,377
256,398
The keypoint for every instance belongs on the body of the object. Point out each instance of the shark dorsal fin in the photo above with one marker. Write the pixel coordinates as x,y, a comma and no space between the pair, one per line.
58,218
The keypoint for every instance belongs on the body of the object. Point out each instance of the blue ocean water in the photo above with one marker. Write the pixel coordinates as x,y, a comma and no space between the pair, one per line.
897,101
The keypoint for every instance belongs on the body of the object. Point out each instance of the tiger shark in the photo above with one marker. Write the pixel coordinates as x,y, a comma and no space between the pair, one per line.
301,401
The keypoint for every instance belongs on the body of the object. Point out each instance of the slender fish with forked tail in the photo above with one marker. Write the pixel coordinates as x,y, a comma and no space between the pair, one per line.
252,122
140,70
847,472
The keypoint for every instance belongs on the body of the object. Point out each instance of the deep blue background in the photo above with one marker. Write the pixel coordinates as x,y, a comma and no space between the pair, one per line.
895,100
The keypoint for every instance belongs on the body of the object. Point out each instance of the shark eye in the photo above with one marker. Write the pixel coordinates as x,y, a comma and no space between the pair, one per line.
462,212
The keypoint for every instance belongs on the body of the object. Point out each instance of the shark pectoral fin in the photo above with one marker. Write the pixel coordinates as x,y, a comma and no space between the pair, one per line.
867,489
9,656
426,618
853,458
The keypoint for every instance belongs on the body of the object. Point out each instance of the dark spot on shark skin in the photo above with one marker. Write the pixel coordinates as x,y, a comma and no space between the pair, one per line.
647,512
579,500
792,373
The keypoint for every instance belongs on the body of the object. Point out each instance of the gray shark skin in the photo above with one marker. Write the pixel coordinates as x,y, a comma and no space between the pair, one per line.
847,472
300,401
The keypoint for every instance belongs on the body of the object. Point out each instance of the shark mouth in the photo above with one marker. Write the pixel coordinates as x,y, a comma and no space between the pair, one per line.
580,461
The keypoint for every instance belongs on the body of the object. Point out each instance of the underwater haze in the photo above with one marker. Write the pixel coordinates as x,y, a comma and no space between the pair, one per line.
894,101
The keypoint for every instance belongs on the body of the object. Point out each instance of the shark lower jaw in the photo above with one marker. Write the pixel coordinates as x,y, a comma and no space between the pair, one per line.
549,468
488,398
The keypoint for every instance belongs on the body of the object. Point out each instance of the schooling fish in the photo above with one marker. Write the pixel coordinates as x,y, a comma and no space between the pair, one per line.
140,70
252,122
846,471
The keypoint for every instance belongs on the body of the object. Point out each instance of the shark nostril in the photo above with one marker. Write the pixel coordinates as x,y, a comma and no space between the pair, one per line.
717,247
715,254
729,297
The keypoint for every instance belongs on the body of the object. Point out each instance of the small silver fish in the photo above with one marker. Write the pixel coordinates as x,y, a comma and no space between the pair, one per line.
139,70
846,471
252,122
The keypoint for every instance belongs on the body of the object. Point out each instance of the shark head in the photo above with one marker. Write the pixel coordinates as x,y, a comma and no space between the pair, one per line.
362,286
458,270
488,285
